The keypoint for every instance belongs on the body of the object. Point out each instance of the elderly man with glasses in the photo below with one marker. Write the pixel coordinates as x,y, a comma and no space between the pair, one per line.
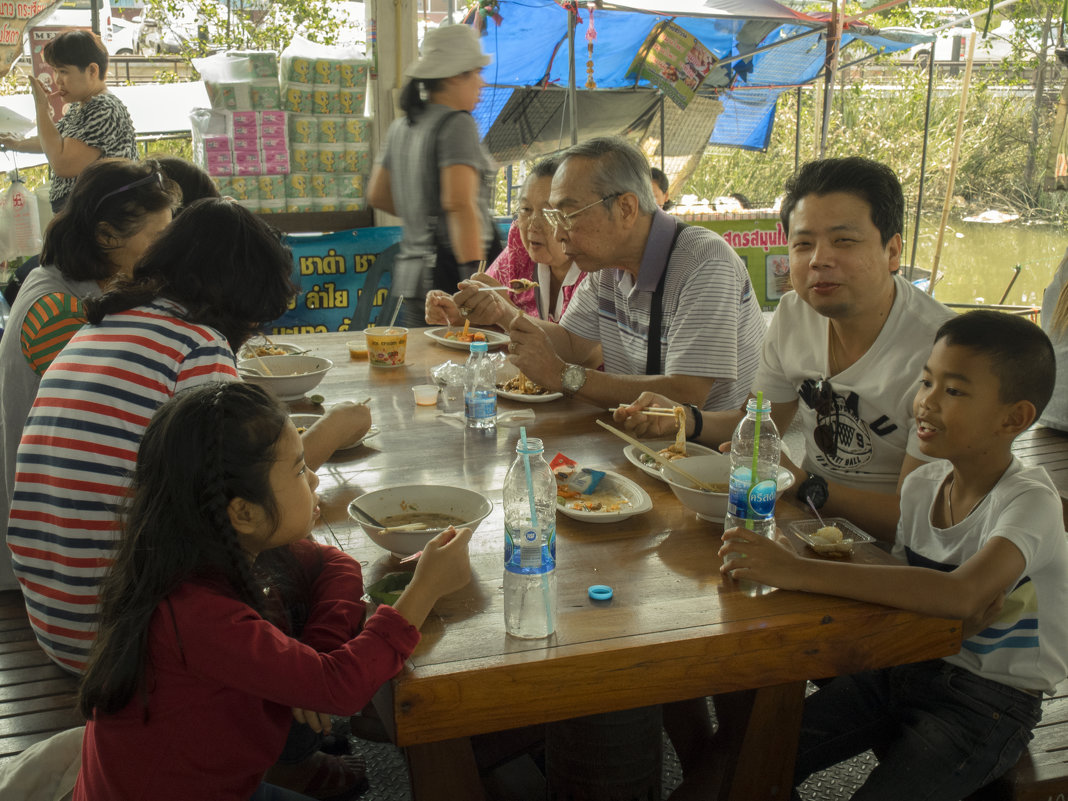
647,273
845,350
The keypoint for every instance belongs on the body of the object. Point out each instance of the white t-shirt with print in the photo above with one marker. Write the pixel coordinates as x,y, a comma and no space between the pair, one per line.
873,396
1027,647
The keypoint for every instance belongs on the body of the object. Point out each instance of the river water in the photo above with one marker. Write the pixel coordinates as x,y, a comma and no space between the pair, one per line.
977,260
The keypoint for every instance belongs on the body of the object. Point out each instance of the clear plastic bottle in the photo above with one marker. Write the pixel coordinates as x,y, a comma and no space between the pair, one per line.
752,497
480,388
530,544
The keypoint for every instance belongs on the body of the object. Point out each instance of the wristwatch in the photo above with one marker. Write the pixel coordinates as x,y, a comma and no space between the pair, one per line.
814,489
572,379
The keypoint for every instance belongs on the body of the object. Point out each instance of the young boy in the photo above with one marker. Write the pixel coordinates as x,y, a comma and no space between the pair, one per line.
975,525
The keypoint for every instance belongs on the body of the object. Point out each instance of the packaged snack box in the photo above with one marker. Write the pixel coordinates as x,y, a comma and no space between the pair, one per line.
326,101
357,130
323,186
303,130
298,186
331,130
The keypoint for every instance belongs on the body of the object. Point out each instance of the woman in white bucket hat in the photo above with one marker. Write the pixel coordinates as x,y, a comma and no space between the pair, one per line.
434,173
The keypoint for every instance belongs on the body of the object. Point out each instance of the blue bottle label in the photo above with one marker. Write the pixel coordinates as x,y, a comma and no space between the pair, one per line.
748,500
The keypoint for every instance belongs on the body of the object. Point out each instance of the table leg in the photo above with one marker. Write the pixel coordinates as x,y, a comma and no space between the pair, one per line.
444,771
761,727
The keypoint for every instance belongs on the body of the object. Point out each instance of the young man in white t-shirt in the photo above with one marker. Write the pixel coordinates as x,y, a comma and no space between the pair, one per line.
976,524
844,349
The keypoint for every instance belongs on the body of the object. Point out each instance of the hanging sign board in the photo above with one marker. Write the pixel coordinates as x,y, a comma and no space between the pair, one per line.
15,17
674,61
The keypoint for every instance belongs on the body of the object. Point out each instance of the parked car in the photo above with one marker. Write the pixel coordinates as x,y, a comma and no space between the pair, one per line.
114,33
176,33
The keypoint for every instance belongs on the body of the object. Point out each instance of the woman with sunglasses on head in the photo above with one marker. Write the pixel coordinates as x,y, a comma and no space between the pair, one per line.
539,277
116,211
94,125
434,173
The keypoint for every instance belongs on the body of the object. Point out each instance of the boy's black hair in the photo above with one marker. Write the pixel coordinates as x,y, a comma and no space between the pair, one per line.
659,178
77,48
1021,355
869,180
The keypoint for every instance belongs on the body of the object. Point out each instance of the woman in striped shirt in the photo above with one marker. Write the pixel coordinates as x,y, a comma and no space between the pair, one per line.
117,209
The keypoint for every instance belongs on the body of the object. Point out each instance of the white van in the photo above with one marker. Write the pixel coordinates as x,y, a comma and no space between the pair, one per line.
119,36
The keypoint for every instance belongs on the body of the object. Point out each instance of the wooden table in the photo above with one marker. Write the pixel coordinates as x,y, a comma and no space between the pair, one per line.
674,630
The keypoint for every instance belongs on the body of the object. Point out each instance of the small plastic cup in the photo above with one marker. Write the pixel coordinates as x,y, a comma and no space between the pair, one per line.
358,347
386,346
426,394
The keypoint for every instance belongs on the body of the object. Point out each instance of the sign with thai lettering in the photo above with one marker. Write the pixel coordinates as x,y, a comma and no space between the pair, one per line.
761,242
674,61
15,17
333,272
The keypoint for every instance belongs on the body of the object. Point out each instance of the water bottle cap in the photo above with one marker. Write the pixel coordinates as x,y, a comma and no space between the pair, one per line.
600,592
479,347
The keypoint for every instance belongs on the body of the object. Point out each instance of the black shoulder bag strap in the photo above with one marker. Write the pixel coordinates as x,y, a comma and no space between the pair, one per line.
656,311
444,259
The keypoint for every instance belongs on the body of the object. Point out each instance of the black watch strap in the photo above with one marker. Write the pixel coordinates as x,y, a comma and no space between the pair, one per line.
814,490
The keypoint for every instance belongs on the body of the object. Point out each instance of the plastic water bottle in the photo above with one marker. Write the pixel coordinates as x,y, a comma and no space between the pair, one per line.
480,388
530,544
752,496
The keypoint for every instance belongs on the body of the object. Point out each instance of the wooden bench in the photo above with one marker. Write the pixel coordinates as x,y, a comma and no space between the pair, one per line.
1042,772
36,695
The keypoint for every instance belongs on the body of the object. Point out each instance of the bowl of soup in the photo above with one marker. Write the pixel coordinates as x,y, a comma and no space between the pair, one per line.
713,469
288,377
409,516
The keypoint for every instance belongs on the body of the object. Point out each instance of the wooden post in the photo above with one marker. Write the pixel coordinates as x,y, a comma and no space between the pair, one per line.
952,163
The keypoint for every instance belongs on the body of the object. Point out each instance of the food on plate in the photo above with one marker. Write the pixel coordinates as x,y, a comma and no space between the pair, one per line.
679,448
602,500
521,284
266,350
829,534
467,335
521,385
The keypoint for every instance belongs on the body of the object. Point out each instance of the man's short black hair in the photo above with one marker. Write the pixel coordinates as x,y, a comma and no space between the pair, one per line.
77,48
1021,355
869,180
659,179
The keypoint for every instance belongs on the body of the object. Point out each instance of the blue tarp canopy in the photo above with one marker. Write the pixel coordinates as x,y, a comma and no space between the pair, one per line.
762,47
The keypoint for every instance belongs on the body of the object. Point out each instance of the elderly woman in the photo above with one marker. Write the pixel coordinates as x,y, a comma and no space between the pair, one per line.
434,173
117,210
538,274
96,123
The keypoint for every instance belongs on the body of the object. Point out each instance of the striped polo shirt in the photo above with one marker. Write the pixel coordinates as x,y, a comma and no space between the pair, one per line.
712,324
78,451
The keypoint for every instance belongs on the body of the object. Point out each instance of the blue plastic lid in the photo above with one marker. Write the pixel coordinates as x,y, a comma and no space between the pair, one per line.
479,347
600,592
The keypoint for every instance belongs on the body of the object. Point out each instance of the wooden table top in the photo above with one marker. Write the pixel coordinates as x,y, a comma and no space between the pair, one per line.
675,628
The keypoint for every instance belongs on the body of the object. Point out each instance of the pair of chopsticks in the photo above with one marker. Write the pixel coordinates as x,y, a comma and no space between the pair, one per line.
659,459
652,411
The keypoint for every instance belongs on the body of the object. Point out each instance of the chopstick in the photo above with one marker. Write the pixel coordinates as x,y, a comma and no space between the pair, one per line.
263,366
481,267
653,411
659,459
493,289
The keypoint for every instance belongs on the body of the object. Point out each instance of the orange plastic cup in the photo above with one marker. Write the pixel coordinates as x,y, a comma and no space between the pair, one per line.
386,346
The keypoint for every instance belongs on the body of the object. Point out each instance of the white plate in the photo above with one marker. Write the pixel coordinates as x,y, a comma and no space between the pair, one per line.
308,419
639,501
493,338
521,398
634,455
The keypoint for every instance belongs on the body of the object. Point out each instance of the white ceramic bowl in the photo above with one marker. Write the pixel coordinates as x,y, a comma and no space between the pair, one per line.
291,378
713,468
470,506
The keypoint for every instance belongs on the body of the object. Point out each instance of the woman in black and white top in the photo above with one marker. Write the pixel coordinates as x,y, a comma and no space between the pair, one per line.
95,124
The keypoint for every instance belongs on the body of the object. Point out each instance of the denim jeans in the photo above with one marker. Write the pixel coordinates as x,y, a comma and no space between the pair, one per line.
938,731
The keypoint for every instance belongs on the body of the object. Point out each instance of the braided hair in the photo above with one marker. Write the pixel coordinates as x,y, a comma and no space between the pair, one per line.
203,448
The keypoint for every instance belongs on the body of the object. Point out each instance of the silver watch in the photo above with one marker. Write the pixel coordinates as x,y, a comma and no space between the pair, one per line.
572,379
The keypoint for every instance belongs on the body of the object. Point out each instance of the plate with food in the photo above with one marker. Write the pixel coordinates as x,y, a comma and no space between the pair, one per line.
615,498
831,536
666,448
304,421
259,346
455,338
515,386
